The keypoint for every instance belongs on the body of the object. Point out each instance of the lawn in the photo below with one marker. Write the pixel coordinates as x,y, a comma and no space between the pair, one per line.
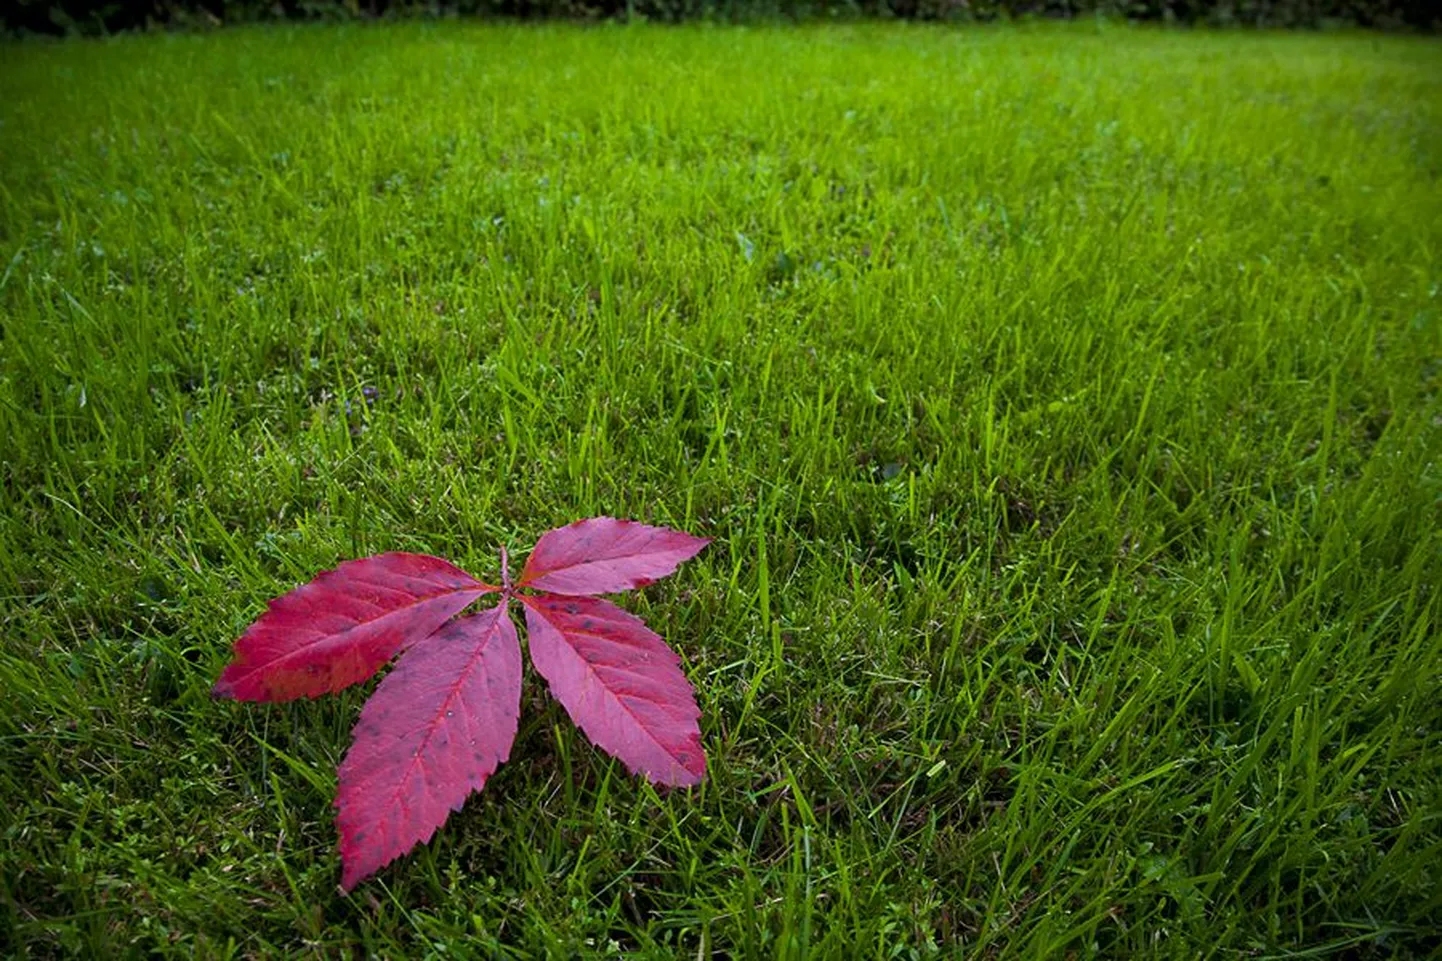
1063,401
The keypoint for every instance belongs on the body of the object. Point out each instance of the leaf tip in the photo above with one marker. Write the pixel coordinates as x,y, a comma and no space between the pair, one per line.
696,545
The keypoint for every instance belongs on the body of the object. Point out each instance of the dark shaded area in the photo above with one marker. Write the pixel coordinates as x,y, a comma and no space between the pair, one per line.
93,17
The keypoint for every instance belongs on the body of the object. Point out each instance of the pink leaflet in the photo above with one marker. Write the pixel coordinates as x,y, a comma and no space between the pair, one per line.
344,625
434,730
602,555
620,683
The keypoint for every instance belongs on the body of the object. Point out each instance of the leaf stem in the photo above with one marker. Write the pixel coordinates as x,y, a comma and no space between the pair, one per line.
505,572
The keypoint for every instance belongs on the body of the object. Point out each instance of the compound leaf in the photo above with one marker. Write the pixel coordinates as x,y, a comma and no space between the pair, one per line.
444,719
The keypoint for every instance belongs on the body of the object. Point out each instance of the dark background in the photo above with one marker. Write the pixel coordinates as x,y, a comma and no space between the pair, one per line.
105,16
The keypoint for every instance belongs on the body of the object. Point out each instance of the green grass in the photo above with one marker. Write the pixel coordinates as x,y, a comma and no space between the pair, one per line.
1064,403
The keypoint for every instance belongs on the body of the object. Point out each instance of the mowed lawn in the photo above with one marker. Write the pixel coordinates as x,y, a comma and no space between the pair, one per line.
1063,402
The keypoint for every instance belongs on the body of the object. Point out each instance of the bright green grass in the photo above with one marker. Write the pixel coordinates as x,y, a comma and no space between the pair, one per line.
1064,404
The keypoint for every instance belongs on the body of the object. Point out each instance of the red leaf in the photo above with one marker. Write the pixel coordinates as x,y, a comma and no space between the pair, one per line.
435,729
620,683
602,555
439,725
344,625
